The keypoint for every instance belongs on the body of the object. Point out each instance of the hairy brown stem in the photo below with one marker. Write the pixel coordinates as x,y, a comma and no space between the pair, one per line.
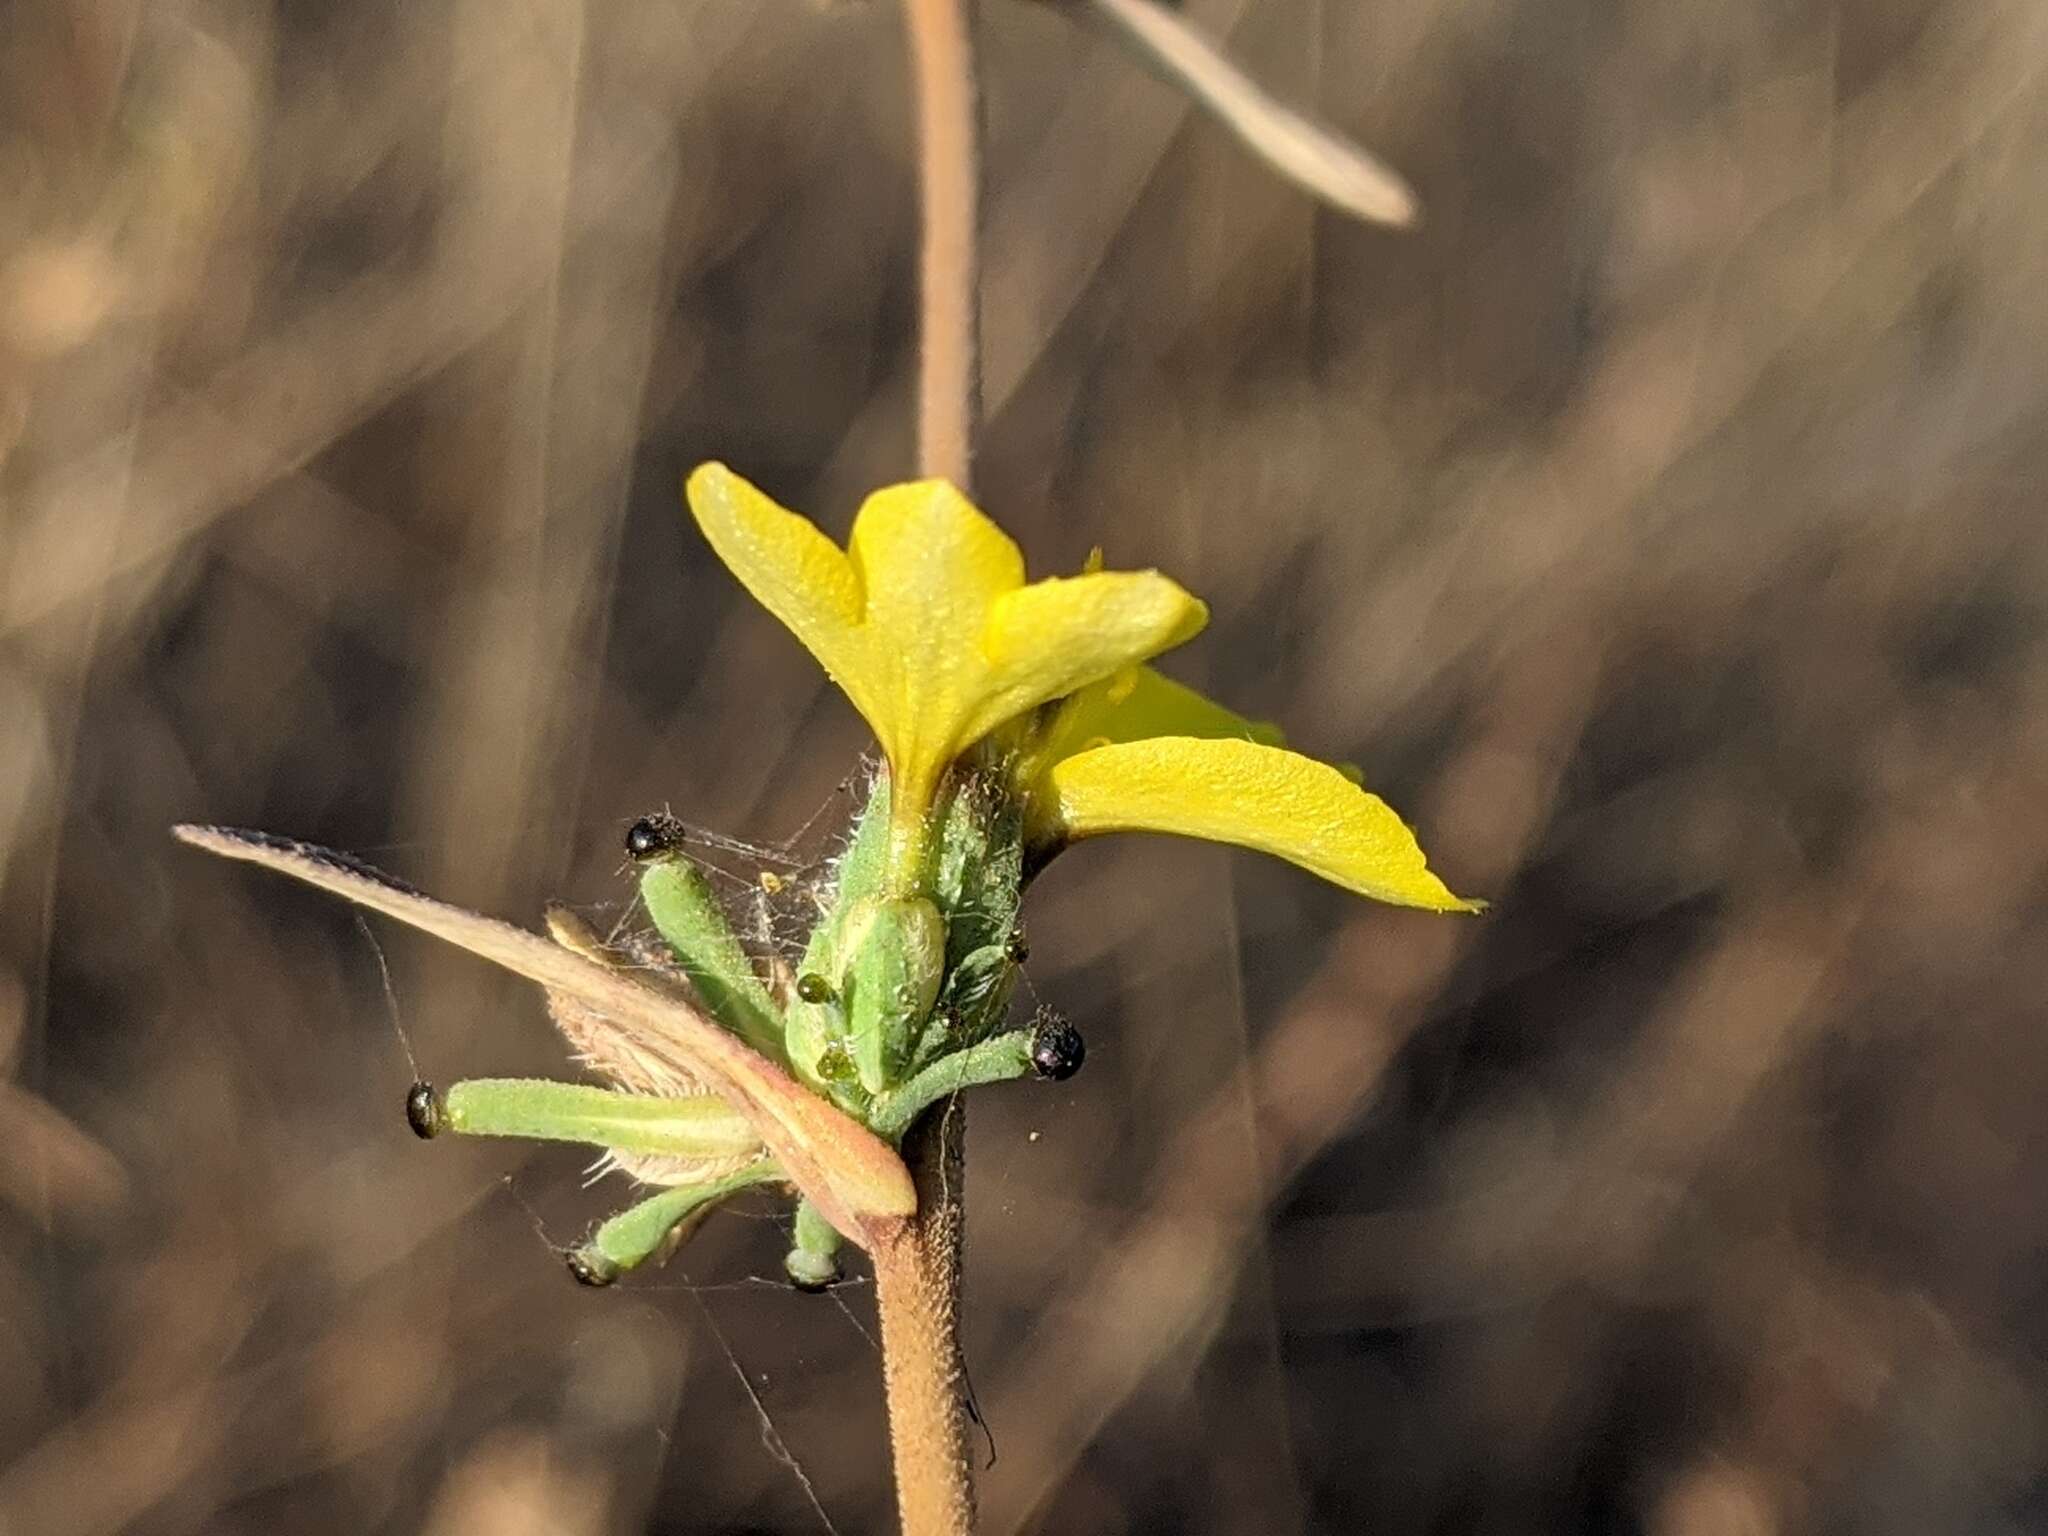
917,1282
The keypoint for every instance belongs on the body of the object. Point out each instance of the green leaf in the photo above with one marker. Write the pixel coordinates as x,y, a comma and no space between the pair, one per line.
692,921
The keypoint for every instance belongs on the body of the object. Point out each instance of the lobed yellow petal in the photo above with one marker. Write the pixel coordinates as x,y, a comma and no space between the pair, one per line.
1054,637
795,571
924,546
930,565
1140,702
1256,796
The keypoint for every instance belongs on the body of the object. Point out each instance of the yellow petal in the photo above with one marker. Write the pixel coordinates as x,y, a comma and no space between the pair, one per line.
1138,703
1053,637
796,572
928,556
1259,797
930,565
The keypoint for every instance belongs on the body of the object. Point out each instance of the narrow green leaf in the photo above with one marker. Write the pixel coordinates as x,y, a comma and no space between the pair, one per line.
703,1128
688,913
655,1227
995,1060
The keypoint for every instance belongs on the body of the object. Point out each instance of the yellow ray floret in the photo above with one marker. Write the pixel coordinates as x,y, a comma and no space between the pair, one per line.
925,619
1257,796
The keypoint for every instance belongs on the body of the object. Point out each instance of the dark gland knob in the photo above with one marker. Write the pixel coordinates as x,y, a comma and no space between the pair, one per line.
653,837
424,1111
1057,1049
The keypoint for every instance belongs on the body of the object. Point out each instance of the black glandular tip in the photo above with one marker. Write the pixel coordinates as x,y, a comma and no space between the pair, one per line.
424,1111
653,837
1057,1049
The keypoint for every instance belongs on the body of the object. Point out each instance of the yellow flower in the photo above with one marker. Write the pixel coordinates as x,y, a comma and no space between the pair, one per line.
927,623
1142,753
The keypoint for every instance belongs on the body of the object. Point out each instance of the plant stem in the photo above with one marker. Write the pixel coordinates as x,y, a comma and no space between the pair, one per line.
949,157
917,1286
917,1267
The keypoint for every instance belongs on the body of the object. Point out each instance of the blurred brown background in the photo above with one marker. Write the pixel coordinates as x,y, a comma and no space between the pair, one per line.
1659,527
